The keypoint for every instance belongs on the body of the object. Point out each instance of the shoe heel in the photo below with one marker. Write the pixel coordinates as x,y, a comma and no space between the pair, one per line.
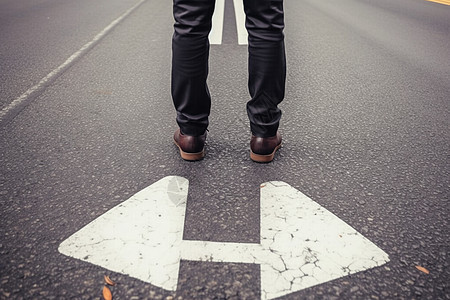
192,156
260,158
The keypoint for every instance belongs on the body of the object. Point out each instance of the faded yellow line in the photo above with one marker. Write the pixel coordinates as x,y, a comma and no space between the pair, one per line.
445,2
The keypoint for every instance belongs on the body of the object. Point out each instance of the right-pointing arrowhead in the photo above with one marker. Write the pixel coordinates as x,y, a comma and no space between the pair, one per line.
307,245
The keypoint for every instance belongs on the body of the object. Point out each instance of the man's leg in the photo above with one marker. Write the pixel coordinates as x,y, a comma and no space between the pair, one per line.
267,64
190,52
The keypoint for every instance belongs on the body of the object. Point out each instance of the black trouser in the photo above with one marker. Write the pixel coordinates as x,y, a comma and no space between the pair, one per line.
266,64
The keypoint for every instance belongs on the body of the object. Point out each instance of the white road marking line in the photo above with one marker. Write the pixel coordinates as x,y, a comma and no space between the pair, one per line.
22,99
215,36
301,243
240,22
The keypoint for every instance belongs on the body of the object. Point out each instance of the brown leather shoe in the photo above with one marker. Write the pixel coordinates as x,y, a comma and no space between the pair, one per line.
191,147
263,149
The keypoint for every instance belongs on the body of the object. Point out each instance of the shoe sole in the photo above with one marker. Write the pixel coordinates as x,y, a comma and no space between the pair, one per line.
264,158
190,156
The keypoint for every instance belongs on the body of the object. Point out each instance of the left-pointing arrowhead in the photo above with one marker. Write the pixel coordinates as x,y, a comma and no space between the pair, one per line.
141,237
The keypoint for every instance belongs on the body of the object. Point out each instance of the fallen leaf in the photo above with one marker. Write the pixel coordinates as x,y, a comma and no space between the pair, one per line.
422,269
107,293
109,281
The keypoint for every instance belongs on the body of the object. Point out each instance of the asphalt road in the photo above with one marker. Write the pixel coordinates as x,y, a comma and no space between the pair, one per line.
365,126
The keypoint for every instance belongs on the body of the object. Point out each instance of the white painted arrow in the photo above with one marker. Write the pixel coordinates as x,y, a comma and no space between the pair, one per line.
140,237
302,244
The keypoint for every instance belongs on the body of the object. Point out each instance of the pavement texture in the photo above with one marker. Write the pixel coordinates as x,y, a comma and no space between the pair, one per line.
366,135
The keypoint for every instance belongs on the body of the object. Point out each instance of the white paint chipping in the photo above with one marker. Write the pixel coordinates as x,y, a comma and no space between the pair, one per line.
58,71
301,243
307,244
140,237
